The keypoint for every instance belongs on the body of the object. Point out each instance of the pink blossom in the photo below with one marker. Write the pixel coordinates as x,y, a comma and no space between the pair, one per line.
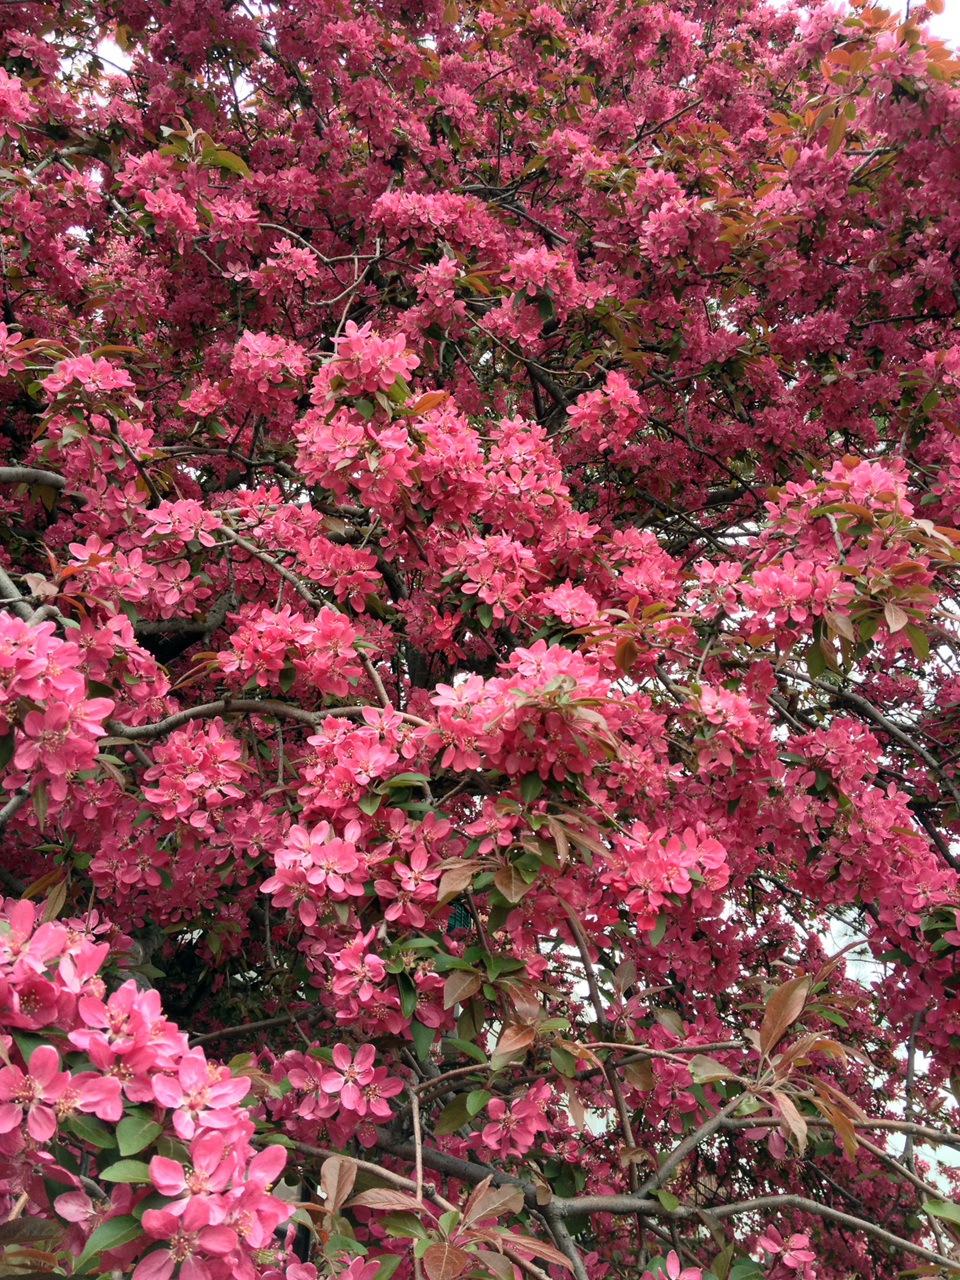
200,1094
43,1083
94,376
349,1074
190,1237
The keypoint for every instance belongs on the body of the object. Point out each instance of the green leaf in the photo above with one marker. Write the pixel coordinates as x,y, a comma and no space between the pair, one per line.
466,1047
224,160
171,1149
531,784
92,1130
930,400
400,1223
387,1266
477,1100
422,1038
485,614
402,779
668,1200
564,1062
408,994
831,1015
109,1235
337,1243
369,802
816,662
703,1069
918,641
155,1200
655,936
286,679
398,391
942,1209
134,1133
6,749
26,1043
744,1269
126,1171
453,1115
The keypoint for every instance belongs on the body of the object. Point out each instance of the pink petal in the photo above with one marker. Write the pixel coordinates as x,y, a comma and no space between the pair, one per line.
218,1240
167,1176
342,1057
207,1152
75,1206
267,1165
197,1214
44,1064
365,1056
155,1266
167,1091
10,1116
41,1123
193,1069
194,1269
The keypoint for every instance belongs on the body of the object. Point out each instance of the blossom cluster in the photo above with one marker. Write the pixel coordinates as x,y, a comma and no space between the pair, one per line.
210,1207
58,735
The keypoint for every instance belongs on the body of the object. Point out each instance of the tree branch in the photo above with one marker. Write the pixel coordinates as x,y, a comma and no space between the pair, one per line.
16,801
31,475
231,706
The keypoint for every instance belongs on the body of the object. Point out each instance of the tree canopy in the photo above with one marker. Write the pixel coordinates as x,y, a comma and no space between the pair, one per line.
479,684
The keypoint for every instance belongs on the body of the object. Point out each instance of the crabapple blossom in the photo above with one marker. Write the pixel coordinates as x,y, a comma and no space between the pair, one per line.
480,503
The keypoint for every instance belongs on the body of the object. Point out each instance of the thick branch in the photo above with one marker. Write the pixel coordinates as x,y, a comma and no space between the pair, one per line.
216,616
31,475
16,801
689,1143
15,602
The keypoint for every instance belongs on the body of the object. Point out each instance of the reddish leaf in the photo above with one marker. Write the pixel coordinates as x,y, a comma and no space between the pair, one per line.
836,135
527,1244
500,1266
783,1008
444,1261
577,1113
625,654
795,1121
515,1036
670,1020
429,401
455,881
640,1075
491,1202
459,986
704,1069
337,1176
556,829
896,618
384,1198
524,1000
510,883
842,625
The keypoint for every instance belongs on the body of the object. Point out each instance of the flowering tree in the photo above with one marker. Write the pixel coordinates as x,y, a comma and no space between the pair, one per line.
479,657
